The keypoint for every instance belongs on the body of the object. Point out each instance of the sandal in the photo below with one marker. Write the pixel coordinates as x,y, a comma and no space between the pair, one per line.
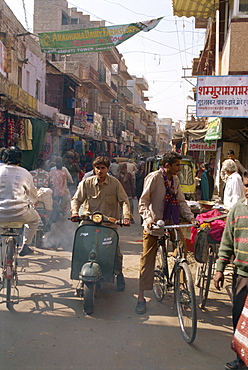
237,364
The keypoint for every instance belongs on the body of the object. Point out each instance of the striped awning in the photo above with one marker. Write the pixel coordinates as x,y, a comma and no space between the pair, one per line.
195,8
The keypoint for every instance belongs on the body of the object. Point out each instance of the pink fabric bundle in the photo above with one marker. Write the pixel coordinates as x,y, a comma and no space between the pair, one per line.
216,228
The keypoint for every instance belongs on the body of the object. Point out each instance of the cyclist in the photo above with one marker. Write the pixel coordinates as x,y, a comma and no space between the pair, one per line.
161,199
17,196
103,193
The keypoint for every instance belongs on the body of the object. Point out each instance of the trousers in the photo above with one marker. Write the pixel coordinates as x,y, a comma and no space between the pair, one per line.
148,257
240,291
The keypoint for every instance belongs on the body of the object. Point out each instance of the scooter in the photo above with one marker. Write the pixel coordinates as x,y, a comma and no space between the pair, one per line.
93,256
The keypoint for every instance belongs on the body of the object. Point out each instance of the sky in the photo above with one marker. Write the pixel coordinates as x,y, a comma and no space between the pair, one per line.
160,55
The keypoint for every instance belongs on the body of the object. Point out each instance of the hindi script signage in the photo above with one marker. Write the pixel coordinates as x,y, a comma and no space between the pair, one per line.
222,96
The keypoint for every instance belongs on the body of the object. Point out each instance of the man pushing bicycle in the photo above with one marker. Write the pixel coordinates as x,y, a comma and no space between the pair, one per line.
161,199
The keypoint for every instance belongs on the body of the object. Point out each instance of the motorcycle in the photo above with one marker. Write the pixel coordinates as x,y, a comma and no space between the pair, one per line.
93,256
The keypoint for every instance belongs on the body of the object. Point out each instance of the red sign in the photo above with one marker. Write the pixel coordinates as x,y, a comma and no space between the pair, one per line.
202,146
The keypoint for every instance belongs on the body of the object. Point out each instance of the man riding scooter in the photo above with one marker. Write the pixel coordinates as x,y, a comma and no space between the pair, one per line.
103,193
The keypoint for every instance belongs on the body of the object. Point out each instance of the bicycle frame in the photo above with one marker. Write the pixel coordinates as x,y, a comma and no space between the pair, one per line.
180,279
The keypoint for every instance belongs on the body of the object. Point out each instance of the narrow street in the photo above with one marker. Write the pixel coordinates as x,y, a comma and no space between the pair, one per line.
49,330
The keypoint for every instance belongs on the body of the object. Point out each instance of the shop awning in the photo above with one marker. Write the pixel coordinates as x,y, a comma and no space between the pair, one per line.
197,9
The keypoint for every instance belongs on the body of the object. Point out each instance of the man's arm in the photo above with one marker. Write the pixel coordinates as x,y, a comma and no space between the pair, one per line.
123,200
145,200
240,167
226,251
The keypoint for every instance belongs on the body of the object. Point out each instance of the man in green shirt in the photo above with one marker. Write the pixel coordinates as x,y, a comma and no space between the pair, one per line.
235,243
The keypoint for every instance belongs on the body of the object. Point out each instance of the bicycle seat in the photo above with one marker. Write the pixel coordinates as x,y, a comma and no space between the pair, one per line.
11,225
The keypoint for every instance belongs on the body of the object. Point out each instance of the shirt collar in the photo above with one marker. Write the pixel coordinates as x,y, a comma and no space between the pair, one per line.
106,181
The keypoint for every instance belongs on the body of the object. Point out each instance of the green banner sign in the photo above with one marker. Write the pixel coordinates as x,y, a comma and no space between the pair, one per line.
214,131
91,39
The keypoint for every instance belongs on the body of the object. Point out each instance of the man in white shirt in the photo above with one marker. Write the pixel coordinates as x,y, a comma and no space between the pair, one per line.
234,189
240,168
18,196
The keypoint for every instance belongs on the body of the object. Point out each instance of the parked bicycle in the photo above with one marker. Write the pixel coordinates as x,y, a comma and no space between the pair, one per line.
206,252
9,246
176,276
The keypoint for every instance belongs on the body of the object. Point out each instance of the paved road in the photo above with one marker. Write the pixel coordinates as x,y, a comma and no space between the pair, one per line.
49,329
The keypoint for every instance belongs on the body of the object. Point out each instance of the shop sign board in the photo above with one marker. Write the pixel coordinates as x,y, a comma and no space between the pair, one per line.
198,145
61,120
97,135
222,96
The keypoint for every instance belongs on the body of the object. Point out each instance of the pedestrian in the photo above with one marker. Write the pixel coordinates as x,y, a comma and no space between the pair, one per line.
58,183
204,182
240,169
161,199
41,180
210,175
126,181
139,179
114,167
131,167
103,193
234,246
234,189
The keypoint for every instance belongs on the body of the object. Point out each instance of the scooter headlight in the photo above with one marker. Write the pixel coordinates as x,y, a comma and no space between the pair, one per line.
97,218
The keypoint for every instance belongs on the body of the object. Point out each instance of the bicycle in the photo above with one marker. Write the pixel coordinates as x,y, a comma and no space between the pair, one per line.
178,278
9,246
205,272
206,264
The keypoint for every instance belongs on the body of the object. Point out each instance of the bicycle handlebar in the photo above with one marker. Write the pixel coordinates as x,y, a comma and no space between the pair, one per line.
160,223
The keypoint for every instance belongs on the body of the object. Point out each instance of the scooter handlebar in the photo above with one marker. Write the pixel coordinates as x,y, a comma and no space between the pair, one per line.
89,217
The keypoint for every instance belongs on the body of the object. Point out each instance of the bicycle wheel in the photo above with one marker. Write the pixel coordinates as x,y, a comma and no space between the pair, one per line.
205,279
8,270
159,281
185,301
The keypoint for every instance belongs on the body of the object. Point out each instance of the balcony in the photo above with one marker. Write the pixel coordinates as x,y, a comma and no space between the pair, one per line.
123,70
142,83
90,77
107,86
126,93
113,55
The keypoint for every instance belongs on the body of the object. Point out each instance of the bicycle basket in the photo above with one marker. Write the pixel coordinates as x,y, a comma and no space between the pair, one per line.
201,246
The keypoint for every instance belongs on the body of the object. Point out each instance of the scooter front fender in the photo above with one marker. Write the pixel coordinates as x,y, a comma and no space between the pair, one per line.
91,272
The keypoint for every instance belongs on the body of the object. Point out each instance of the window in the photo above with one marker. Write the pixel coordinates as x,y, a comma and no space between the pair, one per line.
37,90
239,8
28,81
20,76
64,19
243,6
74,21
